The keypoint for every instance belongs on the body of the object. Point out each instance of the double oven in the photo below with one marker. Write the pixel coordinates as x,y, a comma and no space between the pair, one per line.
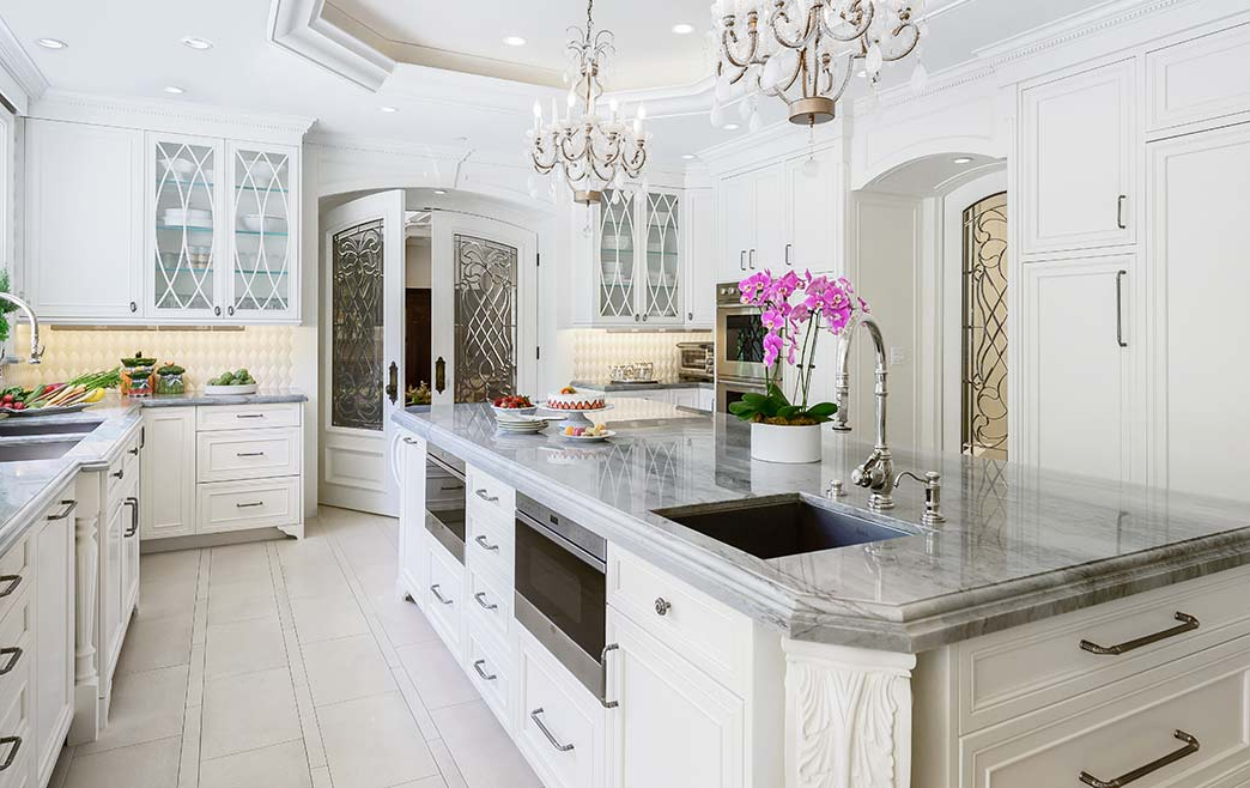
739,348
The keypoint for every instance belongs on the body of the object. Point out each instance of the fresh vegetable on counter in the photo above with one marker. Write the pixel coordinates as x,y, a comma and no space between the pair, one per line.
84,388
240,378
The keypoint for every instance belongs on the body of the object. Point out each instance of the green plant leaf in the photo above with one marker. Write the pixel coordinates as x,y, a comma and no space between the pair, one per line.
754,400
788,412
822,410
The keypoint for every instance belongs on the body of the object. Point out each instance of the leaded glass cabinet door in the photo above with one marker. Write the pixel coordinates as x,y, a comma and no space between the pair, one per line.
187,246
661,290
263,190
617,264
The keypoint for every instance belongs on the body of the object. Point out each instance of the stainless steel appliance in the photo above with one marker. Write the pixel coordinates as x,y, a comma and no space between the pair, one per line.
729,391
739,337
444,500
697,360
561,589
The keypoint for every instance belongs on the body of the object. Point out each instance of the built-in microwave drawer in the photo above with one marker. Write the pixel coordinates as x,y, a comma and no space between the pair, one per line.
247,454
211,418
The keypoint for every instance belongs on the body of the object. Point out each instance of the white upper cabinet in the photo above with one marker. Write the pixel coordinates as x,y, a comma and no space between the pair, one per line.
187,250
771,211
702,244
264,188
617,239
738,214
814,218
84,206
661,288
639,248
1078,142
1203,79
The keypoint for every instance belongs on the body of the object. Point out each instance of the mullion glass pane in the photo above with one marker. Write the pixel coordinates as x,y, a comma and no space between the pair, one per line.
357,328
486,319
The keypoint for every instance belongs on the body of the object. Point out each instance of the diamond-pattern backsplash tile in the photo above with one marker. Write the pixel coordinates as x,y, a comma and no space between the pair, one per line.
265,351
595,352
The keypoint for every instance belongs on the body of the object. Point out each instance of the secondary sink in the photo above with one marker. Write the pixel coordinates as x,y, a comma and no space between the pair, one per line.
782,525
35,450
16,428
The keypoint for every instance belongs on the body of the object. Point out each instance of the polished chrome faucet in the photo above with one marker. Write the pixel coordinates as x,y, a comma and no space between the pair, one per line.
36,352
877,472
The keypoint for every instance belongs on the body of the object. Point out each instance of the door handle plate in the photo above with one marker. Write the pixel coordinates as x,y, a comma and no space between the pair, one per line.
440,375
392,388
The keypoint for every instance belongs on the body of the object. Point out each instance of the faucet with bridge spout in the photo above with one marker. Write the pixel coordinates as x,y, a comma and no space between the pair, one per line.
877,472
36,352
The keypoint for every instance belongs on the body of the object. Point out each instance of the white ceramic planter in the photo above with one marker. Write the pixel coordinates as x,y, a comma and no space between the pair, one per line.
773,443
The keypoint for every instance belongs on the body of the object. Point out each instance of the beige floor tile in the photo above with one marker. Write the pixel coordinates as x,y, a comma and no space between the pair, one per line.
469,730
61,771
242,601
314,578
374,743
189,772
429,782
438,678
244,647
280,766
239,563
174,567
155,643
447,765
248,711
166,600
150,765
146,707
346,669
377,579
325,618
403,621
313,548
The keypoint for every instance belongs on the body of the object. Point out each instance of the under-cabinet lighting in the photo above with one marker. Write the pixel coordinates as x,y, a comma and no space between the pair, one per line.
174,90
51,43
731,127
197,43
687,156
683,29
514,41
439,192
388,110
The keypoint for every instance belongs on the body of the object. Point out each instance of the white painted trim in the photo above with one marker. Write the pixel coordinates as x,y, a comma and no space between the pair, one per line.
21,81
298,27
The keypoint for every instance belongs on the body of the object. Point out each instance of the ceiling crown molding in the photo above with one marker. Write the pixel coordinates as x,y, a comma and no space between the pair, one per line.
21,69
161,113
298,27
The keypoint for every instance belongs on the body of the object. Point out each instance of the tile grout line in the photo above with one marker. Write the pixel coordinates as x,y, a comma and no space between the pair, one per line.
193,719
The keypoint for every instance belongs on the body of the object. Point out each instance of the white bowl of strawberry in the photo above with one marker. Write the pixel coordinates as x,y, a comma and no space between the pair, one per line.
513,406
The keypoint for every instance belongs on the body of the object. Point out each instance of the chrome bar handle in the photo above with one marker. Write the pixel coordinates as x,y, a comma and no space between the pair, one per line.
481,493
603,662
13,580
1119,212
481,540
70,506
249,454
1119,308
536,716
434,590
751,260
16,741
742,260
133,503
477,666
1191,746
15,653
1188,624
789,248
480,596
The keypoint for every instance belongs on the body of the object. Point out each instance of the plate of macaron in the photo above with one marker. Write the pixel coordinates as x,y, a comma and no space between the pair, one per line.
595,433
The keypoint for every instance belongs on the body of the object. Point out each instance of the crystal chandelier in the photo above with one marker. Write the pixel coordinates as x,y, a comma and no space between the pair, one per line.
591,152
805,51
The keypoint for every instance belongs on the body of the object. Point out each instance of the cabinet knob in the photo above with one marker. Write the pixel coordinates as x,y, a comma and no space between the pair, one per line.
662,606
134,307
217,311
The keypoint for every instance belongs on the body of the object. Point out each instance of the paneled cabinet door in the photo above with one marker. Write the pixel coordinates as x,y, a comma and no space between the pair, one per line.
771,212
188,240
110,602
168,471
413,552
1078,142
54,628
814,214
130,551
702,247
661,253
84,209
673,726
1079,386
616,272
263,185
738,214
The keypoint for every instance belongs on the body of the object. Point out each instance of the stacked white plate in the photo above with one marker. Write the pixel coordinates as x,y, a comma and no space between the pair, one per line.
528,426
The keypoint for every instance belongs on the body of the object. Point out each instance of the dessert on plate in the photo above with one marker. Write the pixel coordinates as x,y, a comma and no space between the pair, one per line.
570,398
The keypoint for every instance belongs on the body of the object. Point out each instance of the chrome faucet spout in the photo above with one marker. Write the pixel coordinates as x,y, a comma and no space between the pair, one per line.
877,472
36,352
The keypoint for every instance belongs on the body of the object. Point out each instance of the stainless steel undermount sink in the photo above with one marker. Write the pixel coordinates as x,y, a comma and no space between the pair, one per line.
28,427
36,450
782,525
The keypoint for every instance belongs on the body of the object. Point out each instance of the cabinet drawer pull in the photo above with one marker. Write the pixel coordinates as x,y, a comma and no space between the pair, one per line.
14,653
1119,212
662,606
1191,747
16,741
537,716
789,248
488,498
742,260
410,441
70,506
249,415
134,307
494,548
252,505
1188,624
477,666
480,596
13,582
249,454
751,260
121,474
434,590
133,503
1119,308
603,678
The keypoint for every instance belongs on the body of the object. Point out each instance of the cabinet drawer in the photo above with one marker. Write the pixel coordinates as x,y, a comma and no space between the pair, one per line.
490,547
125,467
1011,673
232,506
686,620
1203,697
446,595
247,417
557,723
488,495
17,573
16,646
489,603
490,671
250,454
16,731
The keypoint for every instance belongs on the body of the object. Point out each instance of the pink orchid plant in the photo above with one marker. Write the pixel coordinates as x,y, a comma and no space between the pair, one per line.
794,311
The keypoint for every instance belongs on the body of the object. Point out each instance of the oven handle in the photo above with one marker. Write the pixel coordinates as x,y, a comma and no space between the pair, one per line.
444,466
576,550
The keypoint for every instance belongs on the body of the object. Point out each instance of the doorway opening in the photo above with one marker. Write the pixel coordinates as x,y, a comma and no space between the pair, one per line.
983,426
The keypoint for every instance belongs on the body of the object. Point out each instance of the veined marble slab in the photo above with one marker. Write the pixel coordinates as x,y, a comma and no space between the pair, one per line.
1019,545
609,388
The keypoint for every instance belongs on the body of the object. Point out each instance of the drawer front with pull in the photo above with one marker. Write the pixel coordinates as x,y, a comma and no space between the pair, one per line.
489,670
489,604
247,417
16,731
16,573
486,494
232,506
445,606
16,644
557,723
247,454
1013,672
489,547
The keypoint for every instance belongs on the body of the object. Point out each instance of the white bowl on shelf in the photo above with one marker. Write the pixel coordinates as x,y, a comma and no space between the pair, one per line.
180,167
188,217
262,171
254,222
616,243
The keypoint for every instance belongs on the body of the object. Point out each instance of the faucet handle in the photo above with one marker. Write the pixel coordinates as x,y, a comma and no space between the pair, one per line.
36,355
835,491
932,482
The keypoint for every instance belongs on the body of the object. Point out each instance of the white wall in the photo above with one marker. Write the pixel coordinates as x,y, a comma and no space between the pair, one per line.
417,272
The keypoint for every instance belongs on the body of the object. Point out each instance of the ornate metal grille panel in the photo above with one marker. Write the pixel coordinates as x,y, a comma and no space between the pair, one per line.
984,422
486,319
616,255
262,257
186,248
356,363
663,256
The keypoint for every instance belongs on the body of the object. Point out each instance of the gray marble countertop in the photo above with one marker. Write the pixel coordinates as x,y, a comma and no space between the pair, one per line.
195,398
610,388
1020,544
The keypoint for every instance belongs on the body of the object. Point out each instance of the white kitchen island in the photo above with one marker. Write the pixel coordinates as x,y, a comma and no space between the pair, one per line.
1055,631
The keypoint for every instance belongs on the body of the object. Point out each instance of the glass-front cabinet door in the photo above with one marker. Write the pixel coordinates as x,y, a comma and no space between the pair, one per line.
186,251
617,236
661,290
262,190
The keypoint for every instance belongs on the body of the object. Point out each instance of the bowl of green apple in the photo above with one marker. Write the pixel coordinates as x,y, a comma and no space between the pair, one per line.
227,383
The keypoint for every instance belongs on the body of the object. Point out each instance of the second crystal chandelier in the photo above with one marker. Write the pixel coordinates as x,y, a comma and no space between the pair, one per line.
804,51
592,153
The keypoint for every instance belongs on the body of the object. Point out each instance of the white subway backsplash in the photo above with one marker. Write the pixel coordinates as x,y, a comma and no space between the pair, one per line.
595,352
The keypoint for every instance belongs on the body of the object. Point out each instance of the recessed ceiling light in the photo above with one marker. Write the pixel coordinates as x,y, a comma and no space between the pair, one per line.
51,43
175,90
388,109
514,41
197,43
440,192
731,127
687,156
962,160
683,29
